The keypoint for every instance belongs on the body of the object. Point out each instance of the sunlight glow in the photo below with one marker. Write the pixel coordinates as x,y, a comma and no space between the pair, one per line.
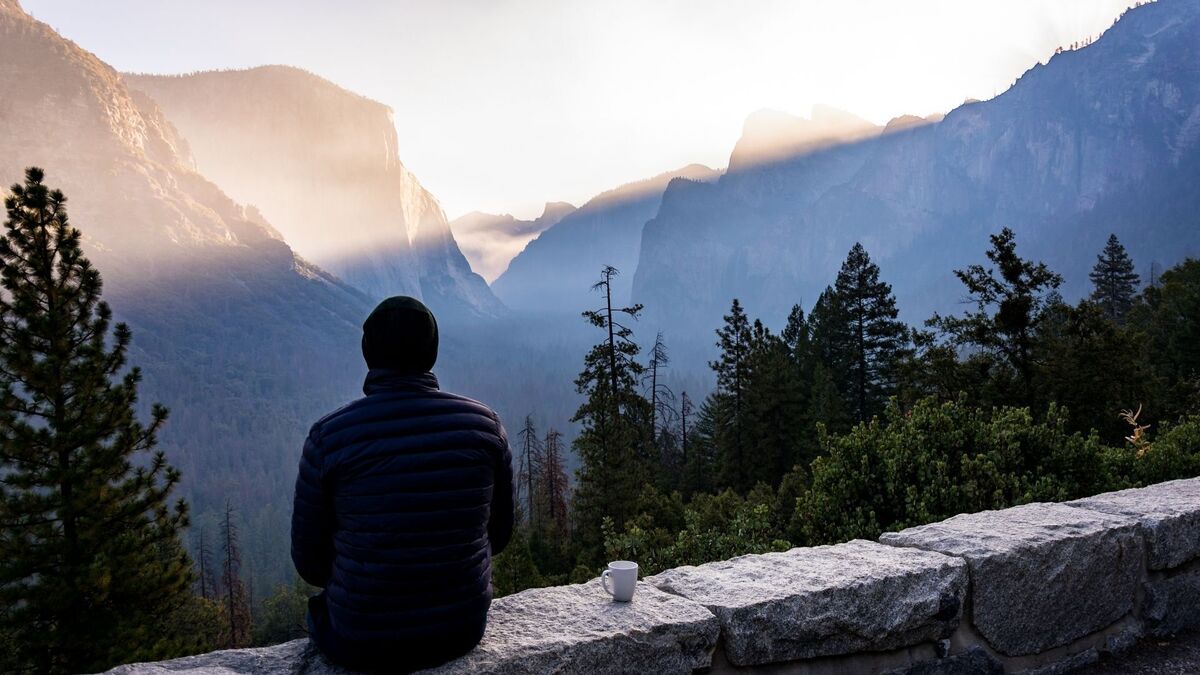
502,106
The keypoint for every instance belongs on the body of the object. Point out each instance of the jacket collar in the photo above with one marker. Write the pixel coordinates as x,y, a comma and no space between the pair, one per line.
380,380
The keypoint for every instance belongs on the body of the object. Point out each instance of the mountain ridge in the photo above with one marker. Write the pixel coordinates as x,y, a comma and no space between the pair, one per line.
322,163
1085,129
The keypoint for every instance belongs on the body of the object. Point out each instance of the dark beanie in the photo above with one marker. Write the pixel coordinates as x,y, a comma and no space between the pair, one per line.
401,334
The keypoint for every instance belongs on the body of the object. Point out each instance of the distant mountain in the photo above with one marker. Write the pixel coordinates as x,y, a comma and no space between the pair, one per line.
769,135
322,164
490,241
243,340
554,271
1102,139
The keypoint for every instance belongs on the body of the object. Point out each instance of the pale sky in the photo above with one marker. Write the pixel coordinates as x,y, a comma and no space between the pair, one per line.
502,105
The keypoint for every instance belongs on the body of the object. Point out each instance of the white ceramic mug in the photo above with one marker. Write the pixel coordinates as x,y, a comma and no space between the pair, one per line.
624,580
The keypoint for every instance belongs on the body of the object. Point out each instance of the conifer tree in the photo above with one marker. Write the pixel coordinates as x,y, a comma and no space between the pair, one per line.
615,439
733,376
873,340
661,396
774,413
553,485
528,469
204,576
1009,303
235,604
1114,280
90,554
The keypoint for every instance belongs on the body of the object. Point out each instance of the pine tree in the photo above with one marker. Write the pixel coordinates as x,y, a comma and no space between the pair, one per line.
827,367
553,485
774,416
614,442
874,339
661,396
1114,280
1008,310
90,555
527,472
204,576
235,604
733,375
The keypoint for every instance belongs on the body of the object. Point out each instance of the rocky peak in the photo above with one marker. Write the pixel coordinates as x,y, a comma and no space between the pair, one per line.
328,174
771,135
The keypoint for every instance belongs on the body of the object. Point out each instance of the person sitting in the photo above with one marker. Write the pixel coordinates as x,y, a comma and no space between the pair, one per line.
402,499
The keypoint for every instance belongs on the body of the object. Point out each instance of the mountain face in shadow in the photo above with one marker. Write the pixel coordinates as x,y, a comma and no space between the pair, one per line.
322,164
490,241
1102,139
554,271
243,340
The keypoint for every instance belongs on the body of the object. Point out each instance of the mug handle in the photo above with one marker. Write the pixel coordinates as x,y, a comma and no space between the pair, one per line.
604,581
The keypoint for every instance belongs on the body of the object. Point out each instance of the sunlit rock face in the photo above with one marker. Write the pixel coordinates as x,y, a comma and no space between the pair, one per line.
323,165
490,241
243,340
557,269
1105,139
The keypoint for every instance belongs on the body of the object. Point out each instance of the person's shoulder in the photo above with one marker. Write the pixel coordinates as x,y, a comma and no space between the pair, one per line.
467,402
334,416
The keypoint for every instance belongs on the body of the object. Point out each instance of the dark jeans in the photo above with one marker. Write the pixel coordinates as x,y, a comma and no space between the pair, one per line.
392,656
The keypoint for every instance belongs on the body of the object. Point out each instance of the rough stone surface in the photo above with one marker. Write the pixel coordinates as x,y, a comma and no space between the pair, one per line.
297,656
1042,575
1172,602
1169,513
565,629
827,600
579,629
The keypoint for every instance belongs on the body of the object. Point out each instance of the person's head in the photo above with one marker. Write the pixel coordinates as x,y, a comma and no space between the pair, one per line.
401,334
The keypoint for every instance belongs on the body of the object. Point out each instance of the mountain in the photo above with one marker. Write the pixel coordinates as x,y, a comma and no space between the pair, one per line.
246,342
769,135
554,271
490,241
1101,139
322,164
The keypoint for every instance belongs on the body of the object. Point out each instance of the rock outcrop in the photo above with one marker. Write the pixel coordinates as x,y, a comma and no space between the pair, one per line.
323,165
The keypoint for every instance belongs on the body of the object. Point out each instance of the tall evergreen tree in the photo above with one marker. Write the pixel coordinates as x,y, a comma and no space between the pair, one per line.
774,415
1009,303
528,469
733,376
235,601
828,335
661,396
872,340
204,576
615,440
1114,280
90,555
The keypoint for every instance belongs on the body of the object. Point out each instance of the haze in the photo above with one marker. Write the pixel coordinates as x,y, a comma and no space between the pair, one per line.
502,106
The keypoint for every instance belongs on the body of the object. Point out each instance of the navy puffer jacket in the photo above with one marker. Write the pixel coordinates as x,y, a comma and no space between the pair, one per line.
403,498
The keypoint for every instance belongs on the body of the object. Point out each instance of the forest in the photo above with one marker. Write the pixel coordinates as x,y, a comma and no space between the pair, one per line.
849,423
845,424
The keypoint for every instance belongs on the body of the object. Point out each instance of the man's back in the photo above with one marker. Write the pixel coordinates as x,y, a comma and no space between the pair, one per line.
403,496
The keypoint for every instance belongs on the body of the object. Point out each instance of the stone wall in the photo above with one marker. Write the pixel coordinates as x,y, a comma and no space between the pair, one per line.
1039,588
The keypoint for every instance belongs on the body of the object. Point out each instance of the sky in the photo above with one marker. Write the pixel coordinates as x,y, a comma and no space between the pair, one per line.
503,105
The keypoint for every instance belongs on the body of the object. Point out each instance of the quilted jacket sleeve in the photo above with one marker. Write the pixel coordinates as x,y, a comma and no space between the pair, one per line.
500,520
312,517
